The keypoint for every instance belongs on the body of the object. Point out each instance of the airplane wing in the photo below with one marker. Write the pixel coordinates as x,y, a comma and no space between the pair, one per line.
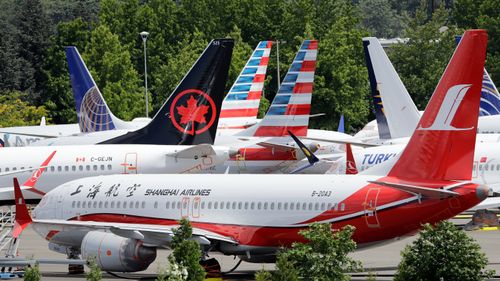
342,141
199,150
278,146
28,134
488,203
424,191
151,235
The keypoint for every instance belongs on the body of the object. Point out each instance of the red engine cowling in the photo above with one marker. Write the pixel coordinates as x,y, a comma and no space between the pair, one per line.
115,253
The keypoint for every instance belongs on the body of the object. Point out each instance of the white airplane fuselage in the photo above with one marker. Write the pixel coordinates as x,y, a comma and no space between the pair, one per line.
74,162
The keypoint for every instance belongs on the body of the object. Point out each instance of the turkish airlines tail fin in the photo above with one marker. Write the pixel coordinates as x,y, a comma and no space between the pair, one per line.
23,218
241,105
490,98
350,164
396,114
442,146
92,111
191,113
291,107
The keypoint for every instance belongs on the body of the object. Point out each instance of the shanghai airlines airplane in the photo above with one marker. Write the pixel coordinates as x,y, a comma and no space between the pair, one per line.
92,111
186,135
130,216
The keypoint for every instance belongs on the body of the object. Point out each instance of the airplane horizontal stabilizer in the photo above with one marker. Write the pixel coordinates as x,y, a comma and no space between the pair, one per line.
200,150
424,191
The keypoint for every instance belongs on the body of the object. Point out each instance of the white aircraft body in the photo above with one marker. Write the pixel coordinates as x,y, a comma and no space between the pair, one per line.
254,215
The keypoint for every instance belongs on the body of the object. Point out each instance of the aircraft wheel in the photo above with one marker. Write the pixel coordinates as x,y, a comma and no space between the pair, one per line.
212,268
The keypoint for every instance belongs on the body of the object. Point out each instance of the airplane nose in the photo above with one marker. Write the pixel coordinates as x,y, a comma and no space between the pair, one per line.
482,192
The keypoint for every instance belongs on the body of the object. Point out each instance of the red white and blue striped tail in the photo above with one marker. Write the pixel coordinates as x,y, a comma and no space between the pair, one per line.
291,107
241,105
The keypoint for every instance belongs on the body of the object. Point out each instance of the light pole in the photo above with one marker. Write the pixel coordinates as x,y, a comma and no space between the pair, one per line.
144,36
278,61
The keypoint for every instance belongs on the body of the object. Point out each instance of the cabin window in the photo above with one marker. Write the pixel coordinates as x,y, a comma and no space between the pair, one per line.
222,205
310,206
80,168
100,204
265,205
279,206
486,167
292,206
73,204
228,205
304,206
95,204
102,167
78,204
87,167
95,167
203,205
59,168
252,205
137,204
167,205
498,167
297,206
143,204
109,167
83,204
112,204
131,205
216,205
234,205
106,204
73,168
14,169
259,205
240,205
329,206
209,205
118,204
66,168
246,205
285,206
480,167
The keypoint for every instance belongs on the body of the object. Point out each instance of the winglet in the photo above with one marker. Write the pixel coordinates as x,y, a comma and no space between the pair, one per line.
341,129
350,164
307,152
23,218
38,172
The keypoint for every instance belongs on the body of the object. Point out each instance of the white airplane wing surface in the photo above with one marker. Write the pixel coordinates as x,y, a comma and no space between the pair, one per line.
151,235
193,151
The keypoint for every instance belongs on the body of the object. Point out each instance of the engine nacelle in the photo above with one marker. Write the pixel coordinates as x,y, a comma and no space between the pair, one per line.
115,253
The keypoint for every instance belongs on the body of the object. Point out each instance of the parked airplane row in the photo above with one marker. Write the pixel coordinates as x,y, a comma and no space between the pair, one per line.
117,218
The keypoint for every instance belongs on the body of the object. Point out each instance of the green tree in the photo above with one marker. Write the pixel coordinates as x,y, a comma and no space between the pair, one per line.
95,273
186,253
380,19
110,65
16,112
341,81
32,273
324,256
443,252
421,61
241,53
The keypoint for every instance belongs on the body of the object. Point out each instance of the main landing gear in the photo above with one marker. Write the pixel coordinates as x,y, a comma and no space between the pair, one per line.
75,268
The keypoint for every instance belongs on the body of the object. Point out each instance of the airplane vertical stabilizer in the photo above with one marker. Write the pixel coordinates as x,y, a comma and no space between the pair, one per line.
291,107
241,105
390,97
92,111
442,146
191,113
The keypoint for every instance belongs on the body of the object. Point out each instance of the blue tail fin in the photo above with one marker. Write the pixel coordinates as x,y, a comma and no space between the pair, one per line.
92,111
490,98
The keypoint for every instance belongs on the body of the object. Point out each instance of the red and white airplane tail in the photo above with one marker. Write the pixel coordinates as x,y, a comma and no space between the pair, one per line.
350,164
23,218
442,146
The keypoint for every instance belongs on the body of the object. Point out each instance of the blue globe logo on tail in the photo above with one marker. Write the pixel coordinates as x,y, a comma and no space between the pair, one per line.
94,115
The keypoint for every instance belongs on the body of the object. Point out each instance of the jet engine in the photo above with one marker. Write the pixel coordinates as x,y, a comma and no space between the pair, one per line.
115,253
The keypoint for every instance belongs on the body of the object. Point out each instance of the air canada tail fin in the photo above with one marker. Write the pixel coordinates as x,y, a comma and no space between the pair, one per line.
191,113
291,107
241,105
23,218
92,111
396,114
442,146
490,97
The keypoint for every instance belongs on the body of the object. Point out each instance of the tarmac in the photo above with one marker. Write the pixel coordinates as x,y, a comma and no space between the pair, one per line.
380,261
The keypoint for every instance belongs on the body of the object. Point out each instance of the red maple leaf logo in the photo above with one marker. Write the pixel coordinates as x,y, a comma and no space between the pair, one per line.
192,112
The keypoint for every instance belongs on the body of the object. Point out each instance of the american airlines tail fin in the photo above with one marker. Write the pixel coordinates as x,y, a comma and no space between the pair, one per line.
92,111
490,98
442,146
191,113
391,100
291,107
241,105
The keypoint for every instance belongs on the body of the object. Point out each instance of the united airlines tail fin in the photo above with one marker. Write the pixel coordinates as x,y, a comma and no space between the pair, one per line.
490,98
191,113
92,111
442,146
241,105
391,100
291,107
